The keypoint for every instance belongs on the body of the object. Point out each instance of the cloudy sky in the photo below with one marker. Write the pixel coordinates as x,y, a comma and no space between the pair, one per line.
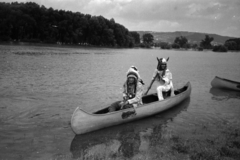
206,16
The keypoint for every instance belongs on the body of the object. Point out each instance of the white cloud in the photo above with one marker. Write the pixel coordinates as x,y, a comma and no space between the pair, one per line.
152,25
194,9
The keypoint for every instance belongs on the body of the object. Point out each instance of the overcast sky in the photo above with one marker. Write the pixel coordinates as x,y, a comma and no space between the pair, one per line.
206,16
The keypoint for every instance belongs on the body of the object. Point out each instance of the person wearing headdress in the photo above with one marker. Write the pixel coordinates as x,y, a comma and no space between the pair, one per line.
164,78
132,90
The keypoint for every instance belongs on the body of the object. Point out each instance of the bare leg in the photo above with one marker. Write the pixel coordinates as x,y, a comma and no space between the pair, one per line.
159,92
172,89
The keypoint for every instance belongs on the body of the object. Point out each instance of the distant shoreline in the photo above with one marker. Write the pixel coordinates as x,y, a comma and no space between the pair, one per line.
57,45
93,46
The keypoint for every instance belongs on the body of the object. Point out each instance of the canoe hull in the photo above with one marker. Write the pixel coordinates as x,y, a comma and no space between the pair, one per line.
83,122
218,82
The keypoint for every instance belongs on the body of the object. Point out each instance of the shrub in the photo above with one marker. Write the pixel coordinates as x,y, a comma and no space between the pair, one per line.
219,48
175,45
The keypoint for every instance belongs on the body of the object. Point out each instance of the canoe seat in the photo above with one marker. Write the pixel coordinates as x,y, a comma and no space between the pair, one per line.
166,94
150,98
154,97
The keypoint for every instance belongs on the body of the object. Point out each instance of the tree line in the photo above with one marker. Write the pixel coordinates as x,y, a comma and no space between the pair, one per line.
29,22
182,42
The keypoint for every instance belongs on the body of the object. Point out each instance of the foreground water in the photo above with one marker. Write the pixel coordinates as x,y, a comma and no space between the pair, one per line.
41,86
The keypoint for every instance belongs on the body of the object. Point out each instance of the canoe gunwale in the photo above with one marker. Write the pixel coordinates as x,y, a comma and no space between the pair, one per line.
223,83
227,80
144,105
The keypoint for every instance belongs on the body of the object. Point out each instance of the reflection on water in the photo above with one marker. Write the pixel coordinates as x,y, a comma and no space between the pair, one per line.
224,94
126,140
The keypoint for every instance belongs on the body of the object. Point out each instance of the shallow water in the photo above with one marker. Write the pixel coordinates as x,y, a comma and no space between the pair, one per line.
40,87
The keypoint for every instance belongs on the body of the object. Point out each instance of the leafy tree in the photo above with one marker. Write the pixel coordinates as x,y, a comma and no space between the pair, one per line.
119,35
148,38
164,45
194,46
136,37
233,44
5,22
130,41
200,48
30,22
219,48
186,46
206,43
181,41
175,46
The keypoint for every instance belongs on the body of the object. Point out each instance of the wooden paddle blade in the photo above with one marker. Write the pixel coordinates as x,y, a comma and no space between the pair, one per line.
128,114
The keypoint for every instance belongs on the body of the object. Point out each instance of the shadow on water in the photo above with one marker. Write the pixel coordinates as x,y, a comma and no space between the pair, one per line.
126,140
224,94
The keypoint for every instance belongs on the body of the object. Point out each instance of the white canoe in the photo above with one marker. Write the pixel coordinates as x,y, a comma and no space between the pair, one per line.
218,82
83,122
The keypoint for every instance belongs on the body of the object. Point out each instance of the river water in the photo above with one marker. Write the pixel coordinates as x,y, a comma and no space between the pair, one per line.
40,87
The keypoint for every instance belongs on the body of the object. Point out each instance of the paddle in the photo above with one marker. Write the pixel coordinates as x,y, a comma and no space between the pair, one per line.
150,85
159,63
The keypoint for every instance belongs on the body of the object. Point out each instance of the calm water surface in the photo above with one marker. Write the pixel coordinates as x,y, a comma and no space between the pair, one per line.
41,86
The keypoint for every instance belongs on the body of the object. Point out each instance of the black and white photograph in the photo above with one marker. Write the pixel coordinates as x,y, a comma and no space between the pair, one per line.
119,80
